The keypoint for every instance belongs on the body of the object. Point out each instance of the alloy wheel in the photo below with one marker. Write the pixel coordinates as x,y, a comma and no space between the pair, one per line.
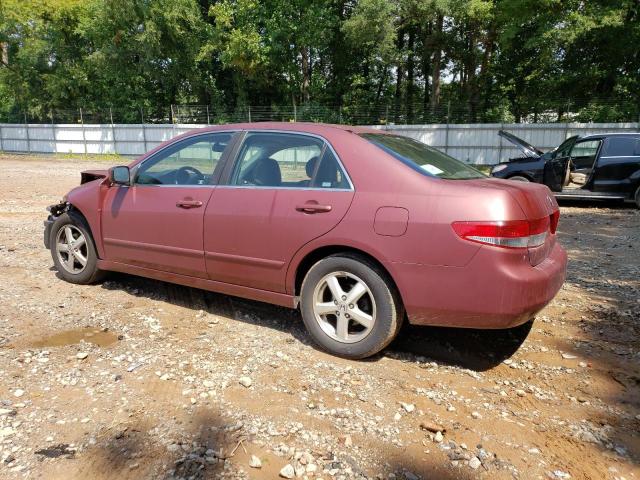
71,248
344,307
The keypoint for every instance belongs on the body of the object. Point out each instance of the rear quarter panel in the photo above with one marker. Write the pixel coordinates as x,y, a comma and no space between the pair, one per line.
432,204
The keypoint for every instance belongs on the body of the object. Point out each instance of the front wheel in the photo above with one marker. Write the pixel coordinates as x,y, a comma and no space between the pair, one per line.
73,251
350,306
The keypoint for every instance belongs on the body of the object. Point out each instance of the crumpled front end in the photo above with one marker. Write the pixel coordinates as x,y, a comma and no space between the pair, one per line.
54,212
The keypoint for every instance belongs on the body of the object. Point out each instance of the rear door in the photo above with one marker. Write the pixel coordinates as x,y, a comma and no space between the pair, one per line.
618,167
284,190
157,221
556,168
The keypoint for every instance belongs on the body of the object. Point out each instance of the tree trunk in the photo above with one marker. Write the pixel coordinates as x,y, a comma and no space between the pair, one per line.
483,77
383,79
426,67
306,74
399,77
471,86
410,76
4,46
436,63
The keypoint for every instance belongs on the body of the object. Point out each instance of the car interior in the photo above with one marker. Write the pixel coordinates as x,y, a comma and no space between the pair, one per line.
286,161
192,163
581,163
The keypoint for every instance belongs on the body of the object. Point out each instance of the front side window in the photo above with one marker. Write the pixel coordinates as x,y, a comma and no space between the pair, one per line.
564,148
423,158
188,162
585,149
283,160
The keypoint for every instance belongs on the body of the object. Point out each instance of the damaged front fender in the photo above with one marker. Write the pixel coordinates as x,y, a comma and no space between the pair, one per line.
54,212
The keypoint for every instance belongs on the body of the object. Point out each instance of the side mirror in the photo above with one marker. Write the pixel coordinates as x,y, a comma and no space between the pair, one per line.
120,175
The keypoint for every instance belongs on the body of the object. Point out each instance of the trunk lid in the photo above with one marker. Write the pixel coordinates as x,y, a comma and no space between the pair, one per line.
536,202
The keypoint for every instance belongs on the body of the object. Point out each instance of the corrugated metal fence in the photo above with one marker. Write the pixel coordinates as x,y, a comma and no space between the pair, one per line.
473,143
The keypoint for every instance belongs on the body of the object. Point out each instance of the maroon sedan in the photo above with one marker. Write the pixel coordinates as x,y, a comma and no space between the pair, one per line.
359,228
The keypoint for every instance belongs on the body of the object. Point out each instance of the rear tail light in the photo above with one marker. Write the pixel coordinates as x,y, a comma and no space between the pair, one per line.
555,217
510,233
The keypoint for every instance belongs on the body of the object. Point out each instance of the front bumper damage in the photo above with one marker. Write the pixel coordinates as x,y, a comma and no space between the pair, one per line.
54,212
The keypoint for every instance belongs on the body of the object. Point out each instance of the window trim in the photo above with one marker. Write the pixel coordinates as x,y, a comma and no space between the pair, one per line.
217,172
225,179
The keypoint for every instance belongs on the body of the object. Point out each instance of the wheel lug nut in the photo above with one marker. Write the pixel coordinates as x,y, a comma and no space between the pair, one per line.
337,313
344,297
351,305
346,315
335,302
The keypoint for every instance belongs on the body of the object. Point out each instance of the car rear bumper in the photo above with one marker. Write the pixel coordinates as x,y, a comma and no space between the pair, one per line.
497,289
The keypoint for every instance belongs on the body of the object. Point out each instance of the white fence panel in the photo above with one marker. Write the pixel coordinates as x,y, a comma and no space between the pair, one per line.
474,143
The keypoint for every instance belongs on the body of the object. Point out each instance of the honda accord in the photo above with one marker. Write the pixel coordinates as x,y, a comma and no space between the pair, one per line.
360,229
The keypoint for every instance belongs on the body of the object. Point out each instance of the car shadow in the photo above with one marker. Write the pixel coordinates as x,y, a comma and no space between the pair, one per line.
468,348
477,350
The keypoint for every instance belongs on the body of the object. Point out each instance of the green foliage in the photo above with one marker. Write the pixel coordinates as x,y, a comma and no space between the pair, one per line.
367,61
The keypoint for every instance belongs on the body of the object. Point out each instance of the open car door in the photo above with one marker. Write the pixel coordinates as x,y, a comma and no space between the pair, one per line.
556,169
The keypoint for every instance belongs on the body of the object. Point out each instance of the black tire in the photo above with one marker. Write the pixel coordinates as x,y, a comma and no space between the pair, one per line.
519,178
90,273
638,197
389,312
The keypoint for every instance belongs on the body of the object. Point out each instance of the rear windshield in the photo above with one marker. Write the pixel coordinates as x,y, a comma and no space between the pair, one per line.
422,158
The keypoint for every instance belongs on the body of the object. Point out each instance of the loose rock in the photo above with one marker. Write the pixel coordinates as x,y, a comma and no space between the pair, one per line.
255,462
287,471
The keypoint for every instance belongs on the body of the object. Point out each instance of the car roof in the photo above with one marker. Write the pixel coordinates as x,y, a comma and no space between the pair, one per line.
308,127
609,134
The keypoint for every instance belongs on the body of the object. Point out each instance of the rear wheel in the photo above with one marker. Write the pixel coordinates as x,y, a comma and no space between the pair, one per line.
638,197
519,178
350,306
73,251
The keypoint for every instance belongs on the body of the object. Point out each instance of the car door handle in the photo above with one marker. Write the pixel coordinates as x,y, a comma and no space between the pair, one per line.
189,204
313,208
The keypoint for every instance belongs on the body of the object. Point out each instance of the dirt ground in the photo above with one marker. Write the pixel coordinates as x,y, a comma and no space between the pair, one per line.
135,378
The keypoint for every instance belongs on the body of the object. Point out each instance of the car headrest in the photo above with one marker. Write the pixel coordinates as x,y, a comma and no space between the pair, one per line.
310,167
267,173
326,173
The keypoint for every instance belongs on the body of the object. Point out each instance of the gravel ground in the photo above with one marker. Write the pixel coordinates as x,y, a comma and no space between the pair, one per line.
135,378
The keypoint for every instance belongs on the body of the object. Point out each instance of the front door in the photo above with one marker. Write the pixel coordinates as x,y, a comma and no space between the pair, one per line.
157,221
285,190
556,169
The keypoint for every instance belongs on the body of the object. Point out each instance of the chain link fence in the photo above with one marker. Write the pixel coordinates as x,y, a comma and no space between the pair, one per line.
382,113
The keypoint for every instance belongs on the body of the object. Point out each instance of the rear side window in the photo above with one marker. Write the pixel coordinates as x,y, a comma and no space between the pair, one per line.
422,158
285,160
622,147
329,174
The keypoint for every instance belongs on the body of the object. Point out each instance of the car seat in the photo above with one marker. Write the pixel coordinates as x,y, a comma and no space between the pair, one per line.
578,178
265,172
310,168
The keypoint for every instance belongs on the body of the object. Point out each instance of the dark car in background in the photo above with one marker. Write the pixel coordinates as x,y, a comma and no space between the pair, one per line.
602,166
